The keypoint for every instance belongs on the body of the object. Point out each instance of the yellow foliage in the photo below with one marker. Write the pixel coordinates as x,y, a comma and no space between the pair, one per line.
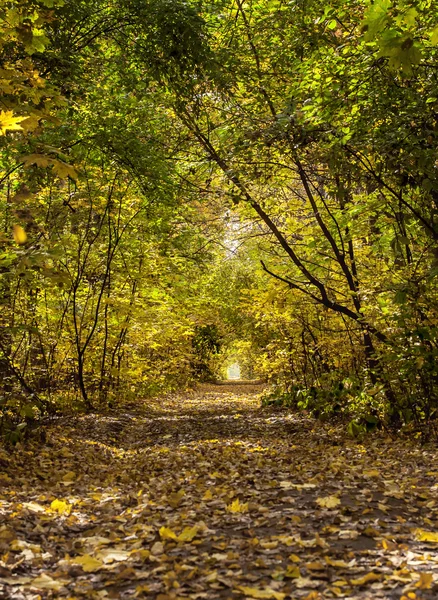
257,593
10,123
20,236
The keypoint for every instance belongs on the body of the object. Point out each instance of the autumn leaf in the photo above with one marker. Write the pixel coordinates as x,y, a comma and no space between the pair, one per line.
167,534
45,582
187,534
175,499
328,501
426,536
292,572
88,563
40,160
257,593
64,170
61,507
69,477
10,123
371,473
366,579
237,507
425,582
20,236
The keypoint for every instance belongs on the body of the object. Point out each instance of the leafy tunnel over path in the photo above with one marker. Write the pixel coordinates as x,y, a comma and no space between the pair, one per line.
205,495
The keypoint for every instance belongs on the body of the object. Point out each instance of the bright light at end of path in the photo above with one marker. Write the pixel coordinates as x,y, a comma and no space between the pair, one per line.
233,371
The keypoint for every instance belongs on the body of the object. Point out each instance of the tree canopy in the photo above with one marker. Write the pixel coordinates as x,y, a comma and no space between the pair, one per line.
187,184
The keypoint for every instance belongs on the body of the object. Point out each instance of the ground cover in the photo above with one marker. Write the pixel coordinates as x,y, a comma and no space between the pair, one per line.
206,495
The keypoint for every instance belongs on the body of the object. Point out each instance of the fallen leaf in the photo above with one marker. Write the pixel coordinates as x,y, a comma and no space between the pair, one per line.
88,563
292,572
371,473
157,548
237,507
167,534
45,582
366,579
425,581
257,593
187,534
328,501
61,507
426,536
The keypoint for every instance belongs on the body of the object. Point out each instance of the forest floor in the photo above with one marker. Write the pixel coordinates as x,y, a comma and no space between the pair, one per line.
206,495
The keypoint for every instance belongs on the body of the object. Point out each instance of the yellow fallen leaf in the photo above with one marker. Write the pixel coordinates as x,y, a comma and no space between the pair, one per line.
426,536
371,473
208,495
257,593
45,582
69,477
328,501
269,545
237,506
61,507
88,563
425,581
340,564
167,534
366,579
340,583
175,499
20,236
187,534
211,578
294,558
292,572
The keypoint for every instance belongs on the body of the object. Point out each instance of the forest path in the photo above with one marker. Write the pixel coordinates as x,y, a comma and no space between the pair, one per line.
205,495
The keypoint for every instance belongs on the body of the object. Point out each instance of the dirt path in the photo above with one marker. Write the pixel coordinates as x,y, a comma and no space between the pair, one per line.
207,496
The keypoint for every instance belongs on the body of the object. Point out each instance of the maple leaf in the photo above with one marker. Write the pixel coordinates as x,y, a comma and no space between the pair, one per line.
237,507
40,160
328,501
64,170
10,123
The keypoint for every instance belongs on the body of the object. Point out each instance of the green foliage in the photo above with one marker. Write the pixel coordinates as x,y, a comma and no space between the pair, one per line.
185,185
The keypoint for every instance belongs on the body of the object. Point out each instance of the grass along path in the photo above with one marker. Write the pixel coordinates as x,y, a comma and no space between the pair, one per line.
205,495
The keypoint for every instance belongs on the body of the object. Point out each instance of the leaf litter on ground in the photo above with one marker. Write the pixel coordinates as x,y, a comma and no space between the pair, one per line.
206,495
